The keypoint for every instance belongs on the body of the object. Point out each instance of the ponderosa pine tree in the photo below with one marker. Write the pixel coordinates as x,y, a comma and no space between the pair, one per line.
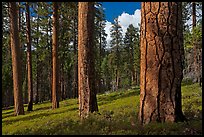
116,44
55,98
132,46
195,48
86,81
15,51
161,62
100,43
29,60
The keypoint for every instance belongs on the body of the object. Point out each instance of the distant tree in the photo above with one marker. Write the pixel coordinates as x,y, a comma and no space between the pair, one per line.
161,63
15,50
99,43
55,85
131,45
86,78
192,43
116,45
7,82
195,47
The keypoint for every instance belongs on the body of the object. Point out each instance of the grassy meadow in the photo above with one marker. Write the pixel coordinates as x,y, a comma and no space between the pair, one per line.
118,113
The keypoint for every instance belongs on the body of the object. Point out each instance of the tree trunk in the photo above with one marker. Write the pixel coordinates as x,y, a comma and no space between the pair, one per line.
116,79
29,60
136,78
25,86
37,67
55,99
15,50
86,72
75,81
161,62
62,84
51,63
21,56
194,13
133,79
195,53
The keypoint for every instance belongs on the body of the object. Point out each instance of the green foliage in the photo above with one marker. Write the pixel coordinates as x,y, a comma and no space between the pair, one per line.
192,100
117,116
194,36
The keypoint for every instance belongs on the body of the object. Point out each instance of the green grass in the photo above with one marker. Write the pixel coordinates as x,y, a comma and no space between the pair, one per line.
117,115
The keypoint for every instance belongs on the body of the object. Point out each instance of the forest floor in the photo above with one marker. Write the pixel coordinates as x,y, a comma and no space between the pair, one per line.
118,116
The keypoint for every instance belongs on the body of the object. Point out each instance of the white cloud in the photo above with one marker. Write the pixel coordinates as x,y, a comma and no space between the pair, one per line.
125,20
107,30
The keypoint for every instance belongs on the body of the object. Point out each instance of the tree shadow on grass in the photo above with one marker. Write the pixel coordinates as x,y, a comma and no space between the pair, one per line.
8,115
31,117
43,108
122,94
8,112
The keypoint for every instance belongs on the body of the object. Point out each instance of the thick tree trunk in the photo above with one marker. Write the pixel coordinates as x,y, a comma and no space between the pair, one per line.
15,51
55,98
161,62
29,60
86,85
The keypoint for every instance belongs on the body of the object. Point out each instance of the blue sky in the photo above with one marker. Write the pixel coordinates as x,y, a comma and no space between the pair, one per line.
114,9
126,12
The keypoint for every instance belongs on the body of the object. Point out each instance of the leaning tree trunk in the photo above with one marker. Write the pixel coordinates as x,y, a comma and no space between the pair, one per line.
29,60
86,85
15,51
55,98
161,62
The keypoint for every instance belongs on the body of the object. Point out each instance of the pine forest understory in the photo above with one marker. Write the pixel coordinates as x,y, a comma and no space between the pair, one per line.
60,75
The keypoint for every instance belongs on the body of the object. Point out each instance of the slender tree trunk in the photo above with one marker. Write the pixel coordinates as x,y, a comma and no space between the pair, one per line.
51,63
21,56
194,13
117,66
25,85
161,62
100,60
29,60
133,80
15,50
37,67
117,79
75,81
62,83
86,72
37,80
55,98
136,78
195,54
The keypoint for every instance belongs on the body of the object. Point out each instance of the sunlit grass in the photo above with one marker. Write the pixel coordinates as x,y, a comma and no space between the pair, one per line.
117,115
